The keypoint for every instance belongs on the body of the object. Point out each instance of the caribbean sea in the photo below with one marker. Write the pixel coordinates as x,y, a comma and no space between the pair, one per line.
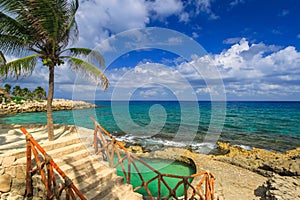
273,126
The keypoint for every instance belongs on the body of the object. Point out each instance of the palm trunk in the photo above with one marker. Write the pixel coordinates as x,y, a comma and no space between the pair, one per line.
49,104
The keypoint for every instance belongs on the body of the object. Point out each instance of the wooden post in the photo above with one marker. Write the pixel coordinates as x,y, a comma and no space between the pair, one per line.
29,189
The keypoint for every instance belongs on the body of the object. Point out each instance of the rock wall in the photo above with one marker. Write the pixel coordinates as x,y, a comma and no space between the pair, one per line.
36,106
13,181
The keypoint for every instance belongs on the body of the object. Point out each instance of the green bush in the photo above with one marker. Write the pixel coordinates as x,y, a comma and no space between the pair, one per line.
18,99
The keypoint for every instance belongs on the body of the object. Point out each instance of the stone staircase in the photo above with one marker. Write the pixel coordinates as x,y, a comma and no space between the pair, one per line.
89,173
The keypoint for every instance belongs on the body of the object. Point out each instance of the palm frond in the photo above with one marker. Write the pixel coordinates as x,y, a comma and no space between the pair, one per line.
13,44
21,67
2,59
10,26
88,71
72,28
91,55
10,6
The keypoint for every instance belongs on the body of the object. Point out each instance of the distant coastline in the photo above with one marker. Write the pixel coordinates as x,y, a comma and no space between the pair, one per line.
40,106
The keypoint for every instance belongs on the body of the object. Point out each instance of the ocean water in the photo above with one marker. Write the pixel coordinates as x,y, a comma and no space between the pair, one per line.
272,126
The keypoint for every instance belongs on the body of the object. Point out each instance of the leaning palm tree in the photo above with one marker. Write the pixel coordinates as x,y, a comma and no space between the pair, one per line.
39,93
40,31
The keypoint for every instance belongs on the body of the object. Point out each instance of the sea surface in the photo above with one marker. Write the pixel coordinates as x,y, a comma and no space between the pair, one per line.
273,126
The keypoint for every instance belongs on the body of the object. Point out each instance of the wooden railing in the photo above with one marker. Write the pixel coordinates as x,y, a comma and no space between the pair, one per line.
46,169
106,144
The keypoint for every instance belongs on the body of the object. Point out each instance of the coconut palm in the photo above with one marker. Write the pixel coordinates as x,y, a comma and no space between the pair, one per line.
7,88
40,31
39,93
17,91
26,93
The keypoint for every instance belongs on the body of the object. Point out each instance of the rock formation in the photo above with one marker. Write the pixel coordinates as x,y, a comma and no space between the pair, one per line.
40,106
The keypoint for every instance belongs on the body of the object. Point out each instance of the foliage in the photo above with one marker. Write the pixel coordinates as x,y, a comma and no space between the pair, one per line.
25,94
42,30
39,93
7,88
46,29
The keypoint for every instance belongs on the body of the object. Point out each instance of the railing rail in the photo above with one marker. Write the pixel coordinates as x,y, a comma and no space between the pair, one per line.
106,144
46,169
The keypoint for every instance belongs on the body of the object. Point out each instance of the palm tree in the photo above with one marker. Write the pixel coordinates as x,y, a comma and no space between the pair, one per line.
17,91
44,28
7,88
39,93
26,93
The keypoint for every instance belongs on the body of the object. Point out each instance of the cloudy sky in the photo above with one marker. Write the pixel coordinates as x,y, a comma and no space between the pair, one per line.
187,50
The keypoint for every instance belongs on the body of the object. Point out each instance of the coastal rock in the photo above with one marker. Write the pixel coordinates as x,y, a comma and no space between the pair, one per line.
261,161
282,187
5,183
18,186
8,161
40,106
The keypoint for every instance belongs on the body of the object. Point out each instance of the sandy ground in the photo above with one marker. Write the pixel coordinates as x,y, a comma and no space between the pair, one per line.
232,183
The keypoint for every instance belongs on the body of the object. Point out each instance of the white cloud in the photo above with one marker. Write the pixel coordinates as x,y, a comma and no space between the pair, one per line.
98,20
195,35
184,17
164,8
236,2
203,6
233,40
259,69
283,13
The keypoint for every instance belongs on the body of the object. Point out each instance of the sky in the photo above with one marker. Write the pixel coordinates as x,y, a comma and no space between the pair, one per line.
186,50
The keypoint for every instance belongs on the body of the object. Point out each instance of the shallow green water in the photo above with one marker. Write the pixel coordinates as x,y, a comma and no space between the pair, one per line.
164,167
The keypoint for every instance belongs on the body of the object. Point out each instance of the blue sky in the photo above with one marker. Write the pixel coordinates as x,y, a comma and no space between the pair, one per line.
253,46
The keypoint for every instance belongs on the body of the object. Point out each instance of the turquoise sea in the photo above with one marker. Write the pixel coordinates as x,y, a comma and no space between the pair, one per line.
273,126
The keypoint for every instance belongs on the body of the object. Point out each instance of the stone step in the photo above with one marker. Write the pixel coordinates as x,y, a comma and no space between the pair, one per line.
96,170
81,154
59,153
121,193
46,145
92,174
104,190
97,185
88,172
59,143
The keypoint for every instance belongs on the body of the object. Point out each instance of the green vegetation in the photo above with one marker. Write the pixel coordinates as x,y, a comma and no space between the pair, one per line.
18,94
40,31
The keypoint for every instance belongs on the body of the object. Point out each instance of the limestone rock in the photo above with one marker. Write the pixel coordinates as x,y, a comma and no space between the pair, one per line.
18,186
282,187
40,106
10,196
5,183
8,161
261,161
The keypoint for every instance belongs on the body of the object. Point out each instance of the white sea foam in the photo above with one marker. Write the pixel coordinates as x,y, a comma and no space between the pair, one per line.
158,143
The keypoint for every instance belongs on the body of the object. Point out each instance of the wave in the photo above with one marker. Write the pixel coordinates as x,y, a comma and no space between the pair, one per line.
156,143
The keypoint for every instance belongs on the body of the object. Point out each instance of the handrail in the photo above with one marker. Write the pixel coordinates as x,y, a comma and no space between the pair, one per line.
48,176
109,146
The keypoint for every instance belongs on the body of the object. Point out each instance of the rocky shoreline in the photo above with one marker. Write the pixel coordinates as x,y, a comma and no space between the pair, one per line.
240,174
281,170
40,106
